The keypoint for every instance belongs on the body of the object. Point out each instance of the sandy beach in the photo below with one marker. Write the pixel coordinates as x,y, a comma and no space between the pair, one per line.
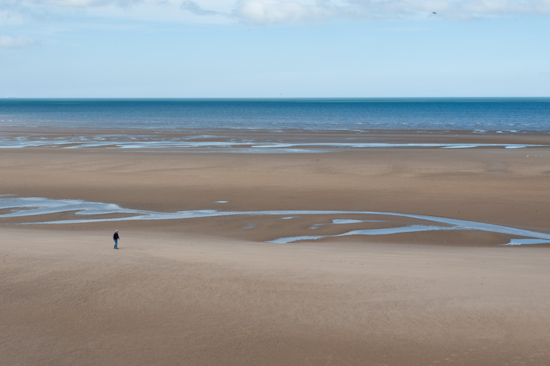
214,291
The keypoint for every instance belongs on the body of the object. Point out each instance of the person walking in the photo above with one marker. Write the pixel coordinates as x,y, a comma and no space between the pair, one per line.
115,238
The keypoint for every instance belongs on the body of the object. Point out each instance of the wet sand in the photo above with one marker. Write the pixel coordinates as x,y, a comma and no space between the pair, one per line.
208,292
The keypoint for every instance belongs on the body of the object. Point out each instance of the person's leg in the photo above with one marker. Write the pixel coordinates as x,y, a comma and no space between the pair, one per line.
116,243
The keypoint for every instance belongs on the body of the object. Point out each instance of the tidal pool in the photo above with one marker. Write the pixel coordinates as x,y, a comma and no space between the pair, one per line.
88,212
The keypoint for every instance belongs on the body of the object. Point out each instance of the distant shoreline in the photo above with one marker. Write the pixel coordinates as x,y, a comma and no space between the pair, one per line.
264,141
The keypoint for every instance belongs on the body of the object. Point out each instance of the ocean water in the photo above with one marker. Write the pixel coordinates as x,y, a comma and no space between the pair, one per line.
474,114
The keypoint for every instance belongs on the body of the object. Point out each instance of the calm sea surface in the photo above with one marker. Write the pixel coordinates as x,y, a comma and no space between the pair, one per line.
506,114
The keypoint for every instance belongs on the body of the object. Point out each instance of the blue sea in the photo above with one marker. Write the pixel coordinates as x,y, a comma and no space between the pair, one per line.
474,114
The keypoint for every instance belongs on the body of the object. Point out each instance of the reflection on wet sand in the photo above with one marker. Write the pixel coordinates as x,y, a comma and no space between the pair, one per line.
12,206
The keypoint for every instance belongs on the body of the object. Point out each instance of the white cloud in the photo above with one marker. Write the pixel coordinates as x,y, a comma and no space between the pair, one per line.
287,11
19,42
276,11
91,3
270,11
196,9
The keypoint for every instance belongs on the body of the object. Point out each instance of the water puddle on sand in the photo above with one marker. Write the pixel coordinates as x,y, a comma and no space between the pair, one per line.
88,212
343,222
218,143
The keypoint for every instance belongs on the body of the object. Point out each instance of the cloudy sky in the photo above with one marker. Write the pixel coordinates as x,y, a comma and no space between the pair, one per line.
274,48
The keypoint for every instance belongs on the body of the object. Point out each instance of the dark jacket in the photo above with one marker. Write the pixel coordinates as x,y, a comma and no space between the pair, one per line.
116,236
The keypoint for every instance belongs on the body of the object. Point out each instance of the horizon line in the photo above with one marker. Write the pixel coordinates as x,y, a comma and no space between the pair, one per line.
269,98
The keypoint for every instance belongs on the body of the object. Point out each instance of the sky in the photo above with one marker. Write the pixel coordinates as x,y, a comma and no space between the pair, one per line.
274,48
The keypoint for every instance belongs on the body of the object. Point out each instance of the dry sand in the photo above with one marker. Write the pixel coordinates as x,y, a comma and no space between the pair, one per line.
207,292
